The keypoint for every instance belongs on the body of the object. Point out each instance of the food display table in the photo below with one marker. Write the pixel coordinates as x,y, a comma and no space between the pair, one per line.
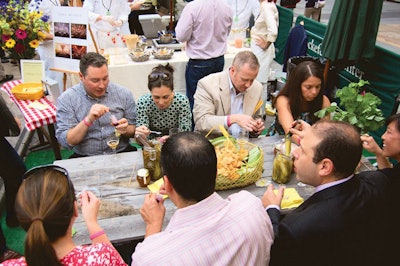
35,119
133,75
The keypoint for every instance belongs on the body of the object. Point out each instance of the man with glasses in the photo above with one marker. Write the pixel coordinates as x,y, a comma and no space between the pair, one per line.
230,98
205,229
92,110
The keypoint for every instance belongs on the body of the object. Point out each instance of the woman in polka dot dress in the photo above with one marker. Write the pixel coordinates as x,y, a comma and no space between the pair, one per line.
162,109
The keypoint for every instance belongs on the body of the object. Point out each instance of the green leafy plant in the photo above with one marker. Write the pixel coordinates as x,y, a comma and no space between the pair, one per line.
359,109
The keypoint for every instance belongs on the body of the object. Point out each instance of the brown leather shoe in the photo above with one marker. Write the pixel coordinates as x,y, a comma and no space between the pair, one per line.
9,254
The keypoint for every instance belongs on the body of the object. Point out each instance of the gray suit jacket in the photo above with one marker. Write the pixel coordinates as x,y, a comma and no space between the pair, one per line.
212,101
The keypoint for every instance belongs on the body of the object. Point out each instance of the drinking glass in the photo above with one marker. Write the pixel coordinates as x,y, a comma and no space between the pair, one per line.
243,136
94,190
112,142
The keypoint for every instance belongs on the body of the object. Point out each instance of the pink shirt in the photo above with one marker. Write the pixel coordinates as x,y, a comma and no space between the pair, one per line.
215,231
92,255
205,25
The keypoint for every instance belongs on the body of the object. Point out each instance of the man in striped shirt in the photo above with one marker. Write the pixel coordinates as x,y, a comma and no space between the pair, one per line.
205,229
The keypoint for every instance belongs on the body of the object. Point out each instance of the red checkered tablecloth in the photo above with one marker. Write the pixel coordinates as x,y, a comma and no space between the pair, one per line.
34,118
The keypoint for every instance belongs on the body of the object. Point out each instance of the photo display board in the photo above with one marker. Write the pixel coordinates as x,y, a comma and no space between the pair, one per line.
71,36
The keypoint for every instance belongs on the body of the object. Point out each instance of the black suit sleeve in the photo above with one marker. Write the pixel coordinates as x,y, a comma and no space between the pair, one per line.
275,216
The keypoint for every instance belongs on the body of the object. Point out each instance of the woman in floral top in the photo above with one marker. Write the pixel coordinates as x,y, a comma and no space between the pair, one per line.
46,208
162,109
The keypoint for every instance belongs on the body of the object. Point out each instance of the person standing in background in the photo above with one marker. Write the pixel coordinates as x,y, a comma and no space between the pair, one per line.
242,11
289,3
204,25
136,7
263,36
313,9
106,18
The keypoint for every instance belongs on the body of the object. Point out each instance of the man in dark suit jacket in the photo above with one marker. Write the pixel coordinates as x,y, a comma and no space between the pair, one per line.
340,223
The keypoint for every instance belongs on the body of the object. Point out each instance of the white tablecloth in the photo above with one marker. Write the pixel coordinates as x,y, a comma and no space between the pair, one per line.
133,75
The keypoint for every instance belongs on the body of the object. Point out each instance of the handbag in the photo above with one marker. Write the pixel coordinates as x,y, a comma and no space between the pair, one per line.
319,4
8,124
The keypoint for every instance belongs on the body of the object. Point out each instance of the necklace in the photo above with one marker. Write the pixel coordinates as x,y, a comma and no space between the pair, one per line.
236,10
108,13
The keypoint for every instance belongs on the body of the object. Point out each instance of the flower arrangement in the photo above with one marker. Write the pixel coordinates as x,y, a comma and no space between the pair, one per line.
21,30
359,109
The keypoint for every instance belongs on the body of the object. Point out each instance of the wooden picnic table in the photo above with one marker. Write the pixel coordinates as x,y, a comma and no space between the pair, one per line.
122,197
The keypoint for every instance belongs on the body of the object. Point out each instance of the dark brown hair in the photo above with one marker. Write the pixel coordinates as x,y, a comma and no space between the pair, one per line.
292,89
161,76
341,143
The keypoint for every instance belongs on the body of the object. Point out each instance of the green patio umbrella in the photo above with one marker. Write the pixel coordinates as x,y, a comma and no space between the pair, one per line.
350,36
351,32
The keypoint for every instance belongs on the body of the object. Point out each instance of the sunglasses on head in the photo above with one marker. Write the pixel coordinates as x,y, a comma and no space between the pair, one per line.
43,168
156,75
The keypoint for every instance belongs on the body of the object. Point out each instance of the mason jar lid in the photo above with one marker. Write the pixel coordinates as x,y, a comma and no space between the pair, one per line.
143,172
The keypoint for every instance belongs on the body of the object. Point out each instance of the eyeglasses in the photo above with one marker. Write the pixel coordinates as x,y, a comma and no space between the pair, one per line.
43,168
156,75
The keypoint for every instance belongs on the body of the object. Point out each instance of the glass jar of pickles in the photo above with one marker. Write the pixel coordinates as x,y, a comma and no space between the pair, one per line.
282,168
151,160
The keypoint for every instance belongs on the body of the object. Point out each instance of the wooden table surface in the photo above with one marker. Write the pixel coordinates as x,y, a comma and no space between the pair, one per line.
122,198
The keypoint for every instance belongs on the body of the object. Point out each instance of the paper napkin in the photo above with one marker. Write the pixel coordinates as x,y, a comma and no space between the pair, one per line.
291,198
155,187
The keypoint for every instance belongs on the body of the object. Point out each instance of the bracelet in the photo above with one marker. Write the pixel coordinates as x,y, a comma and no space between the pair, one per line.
87,122
228,120
96,235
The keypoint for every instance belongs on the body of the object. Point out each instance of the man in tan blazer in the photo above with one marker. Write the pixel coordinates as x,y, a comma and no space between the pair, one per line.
229,98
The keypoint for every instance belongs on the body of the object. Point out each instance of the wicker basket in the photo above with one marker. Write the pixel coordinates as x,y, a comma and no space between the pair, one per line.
249,172
28,91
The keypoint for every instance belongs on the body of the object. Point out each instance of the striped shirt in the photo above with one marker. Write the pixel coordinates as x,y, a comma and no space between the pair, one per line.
215,231
74,105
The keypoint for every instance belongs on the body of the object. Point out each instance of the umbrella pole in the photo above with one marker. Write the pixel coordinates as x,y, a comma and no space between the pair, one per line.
171,13
326,77
326,70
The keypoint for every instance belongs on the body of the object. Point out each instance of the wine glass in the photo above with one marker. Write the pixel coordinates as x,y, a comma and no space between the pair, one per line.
112,142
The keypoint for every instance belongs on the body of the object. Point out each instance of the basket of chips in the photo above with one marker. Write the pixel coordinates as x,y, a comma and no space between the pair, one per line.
239,163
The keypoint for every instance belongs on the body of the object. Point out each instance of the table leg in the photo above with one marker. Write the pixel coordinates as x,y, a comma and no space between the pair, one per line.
54,142
26,144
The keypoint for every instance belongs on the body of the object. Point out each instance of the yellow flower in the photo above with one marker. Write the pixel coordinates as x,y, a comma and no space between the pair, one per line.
19,29
41,35
34,43
10,43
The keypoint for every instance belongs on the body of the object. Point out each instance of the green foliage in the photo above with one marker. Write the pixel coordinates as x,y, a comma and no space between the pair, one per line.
357,109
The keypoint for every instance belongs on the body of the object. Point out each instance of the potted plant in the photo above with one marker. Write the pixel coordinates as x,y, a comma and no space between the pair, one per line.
359,109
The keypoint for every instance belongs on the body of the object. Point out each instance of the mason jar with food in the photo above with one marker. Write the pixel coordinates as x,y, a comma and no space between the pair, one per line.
283,162
143,177
151,159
